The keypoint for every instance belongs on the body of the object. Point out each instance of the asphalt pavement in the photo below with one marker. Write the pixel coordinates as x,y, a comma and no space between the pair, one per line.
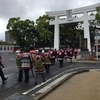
54,79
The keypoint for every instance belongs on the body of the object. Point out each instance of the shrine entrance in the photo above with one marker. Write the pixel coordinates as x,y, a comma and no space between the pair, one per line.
70,19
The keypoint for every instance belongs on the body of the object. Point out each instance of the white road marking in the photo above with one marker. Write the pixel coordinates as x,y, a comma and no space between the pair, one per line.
45,88
52,84
38,85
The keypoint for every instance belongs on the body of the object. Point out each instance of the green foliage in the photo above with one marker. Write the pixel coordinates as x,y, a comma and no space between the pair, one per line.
26,33
6,43
98,9
23,31
98,16
43,26
44,29
70,32
92,14
98,13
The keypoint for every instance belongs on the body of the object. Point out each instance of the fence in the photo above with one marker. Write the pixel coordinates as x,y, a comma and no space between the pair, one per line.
8,48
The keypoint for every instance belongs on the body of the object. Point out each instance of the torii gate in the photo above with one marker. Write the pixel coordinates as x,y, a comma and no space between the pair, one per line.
69,13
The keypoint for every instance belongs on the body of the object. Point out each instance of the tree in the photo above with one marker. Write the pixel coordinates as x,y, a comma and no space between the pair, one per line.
98,13
44,29
23,31
71,33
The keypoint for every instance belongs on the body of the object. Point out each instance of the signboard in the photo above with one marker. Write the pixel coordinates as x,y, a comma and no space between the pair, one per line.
96,36
96,41
69,14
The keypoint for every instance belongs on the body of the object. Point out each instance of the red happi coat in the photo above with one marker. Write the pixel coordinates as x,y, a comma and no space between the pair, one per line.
38,63
47,58
60,55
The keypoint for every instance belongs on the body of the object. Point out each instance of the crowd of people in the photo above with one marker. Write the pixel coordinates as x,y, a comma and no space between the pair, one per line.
39,62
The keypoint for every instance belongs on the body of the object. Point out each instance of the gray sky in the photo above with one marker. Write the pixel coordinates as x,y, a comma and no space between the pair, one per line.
32,9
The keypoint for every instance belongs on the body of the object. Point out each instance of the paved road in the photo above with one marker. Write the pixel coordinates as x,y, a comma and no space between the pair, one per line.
29,91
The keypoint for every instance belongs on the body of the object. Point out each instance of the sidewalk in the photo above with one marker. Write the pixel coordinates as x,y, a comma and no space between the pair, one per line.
83,86
86,60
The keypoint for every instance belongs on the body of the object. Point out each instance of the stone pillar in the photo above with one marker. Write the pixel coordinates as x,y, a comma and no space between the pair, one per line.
56,34
6,49
10,48
86,31
3,48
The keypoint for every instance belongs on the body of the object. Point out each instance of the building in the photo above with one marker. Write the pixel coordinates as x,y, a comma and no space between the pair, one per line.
8,38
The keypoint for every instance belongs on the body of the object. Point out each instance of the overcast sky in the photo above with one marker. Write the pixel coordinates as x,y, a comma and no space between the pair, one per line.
32,9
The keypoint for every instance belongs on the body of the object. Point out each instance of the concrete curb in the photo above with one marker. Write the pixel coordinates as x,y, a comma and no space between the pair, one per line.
39,96
87,61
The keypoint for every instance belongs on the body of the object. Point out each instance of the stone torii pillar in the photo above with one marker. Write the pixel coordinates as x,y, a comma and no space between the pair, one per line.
86,31
85,18
56,34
